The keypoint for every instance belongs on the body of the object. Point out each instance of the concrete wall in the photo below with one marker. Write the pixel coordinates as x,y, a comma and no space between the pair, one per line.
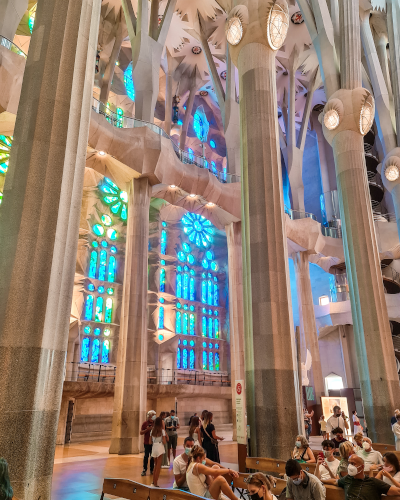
92,419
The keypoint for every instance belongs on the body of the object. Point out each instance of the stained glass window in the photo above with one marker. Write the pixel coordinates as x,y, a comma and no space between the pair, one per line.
5,148
105,353
93,264
224,177
200,124
192,321
191,155
186,286
178,322
112,266
85,349
216,328
128,80
161,318
210,293
214,168
97,331
198,229
185,359
98,315
163,244
103,265
89,307
192,289
204,292
216,357
109,308
204,326
216,295
210,327
210,361
191,359
179,286
115,198
178,358
185,323
204,360
95,350
162,280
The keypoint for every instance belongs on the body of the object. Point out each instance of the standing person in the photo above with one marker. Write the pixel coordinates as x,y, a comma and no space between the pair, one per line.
372,459
172,426
322,425
356,423
259,487
327,467
190,419
336,420
158,437
165,462
194,431
145,431
390,472
203,416
301,485
345,450
209,438
302,451
6,492
396,432
393,420
308,422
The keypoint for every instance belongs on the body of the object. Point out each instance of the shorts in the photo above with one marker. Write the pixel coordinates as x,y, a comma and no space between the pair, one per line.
173,441
157,450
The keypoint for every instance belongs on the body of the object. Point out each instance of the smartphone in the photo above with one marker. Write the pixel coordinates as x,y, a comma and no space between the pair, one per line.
321,455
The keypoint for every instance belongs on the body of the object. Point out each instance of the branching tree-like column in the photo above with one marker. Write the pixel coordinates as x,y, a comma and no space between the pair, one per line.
195,83
255,31
39,224
347,116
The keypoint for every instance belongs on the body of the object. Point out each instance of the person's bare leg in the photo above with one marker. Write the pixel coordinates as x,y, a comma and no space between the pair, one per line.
157,468
220,484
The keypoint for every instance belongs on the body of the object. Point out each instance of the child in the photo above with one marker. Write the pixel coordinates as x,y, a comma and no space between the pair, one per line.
322,425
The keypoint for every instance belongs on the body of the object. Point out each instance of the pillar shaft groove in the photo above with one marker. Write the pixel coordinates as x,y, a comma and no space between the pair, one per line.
350,59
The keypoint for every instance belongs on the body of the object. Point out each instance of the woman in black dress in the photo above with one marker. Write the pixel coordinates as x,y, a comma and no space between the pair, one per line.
210,439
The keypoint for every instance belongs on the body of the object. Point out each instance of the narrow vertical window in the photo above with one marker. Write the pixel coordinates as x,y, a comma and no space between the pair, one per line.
184,359
103,265
186,286
161,318
216,295
192,289
98,315
185,323
179,286
178,358
204,292
210,361
192,324
93,264
112,267
204,360
210,327
210,293
178,322
163,242
216,364
109,308
89,307
105,353
191,359
162,280
85,349
216,328
95,350
204,326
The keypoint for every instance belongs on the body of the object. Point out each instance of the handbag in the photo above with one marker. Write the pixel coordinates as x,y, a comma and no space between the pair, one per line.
213,441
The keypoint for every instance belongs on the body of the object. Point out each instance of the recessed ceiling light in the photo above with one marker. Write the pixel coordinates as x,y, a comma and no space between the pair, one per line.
102,153
210,204
192,195
172,186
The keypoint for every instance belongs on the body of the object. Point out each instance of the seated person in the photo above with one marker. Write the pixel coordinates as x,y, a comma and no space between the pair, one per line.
259,487
302,485
6,491
302,451
372,459
390,472
339,438
358,441
207,482
346,449
327,467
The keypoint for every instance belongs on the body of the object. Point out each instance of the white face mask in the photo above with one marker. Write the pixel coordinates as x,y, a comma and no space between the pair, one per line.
366,445
298,444
327,454
352,470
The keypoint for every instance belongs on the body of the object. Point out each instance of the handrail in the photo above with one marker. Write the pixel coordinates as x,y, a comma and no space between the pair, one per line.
333,232
168,376
122,121
8,44
295,214
390,273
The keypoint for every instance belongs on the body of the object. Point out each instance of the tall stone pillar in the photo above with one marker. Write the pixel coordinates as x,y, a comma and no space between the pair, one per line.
130,396
236,322
347,117
308,327
194,85
39,223
11,12
271,381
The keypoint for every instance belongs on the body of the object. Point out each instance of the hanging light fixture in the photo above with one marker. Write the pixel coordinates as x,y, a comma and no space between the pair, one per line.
234,30
331,119
277,24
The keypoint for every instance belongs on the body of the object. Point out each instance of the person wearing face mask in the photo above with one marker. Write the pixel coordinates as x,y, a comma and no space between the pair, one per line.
358,441
259,487
301,485
357,485
327,466
390,472
207,482
372,458
336,420
338,439
302,451
396,432
172,426
346,449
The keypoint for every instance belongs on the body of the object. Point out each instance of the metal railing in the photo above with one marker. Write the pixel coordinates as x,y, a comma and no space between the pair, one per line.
8,44
184,156
90,372
339,287
375,179
390,273
187,377
295,214
333,232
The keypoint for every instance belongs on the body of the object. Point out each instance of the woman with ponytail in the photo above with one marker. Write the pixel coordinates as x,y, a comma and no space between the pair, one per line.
259,487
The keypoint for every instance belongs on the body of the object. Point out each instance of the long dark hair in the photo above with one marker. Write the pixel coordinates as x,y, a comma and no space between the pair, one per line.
193,425
6,492
157,428
393,460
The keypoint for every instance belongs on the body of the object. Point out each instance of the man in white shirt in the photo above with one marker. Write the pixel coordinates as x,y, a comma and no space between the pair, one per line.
327,467
372,458
336,420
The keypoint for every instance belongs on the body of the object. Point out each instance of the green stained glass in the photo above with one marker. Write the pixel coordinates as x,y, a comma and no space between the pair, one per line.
192,324
98,229
110,291
110,199
106,220
115,208
124,196
103,264
216,328
124,212
204,326
98,315
112,268
109,308
31,18
107,332
5,148
110,183
93,264
115,198
216,364
204,360
112,234
105,352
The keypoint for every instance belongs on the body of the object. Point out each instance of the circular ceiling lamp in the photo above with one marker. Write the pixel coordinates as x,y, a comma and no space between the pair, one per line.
234,30
196,50
367,115
392,172
297,18
277,25
331,119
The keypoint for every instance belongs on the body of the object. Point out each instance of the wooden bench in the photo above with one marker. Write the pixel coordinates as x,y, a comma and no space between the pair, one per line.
274,466
384,448
125,488
171,494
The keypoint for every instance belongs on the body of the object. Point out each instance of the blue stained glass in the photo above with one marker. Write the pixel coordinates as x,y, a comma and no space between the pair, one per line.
186,268
185,323
163,244
178,322
216,295
210,293
224,176
200,124
216,357
209,255
184,342
198,229
210,328
103,264
178,305
93,264
192,289
186,286
192,324
113,250
101,289
87,329
216,346
214,168
91,287
85,349
192,343
215,278
210,361
112,266
216,328
191,359
164,224
185,359
161,318
178,358
95,350
179,286
192,308
128,80
204,360
216,313
97,331
186,307
204,263
210,345
186,247
204,292
105,353
181,256
204,326
109,308
191,155
98,314
162,280
192,272
89,307
204,344
212,143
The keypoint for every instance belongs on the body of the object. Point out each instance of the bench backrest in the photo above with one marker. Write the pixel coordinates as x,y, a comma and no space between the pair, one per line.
170,494
240,483
274,466
383,448
125,488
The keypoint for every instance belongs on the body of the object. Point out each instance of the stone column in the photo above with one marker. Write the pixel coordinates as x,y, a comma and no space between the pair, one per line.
271,382
308,327
39,223
393,27
194,85
11,12
376,363
130,396
236,322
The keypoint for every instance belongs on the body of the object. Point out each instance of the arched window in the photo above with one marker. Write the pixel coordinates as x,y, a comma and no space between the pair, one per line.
105,353
192,289
191,359
178,322
161,318
204,292
216,364
185,323
210,293
163,242
210,327
186,286
216,328
178,358
89,307
210,361
184,359
98,314
85,349
204,360
204,326
162,280
93,264
95,350
179,286
103,265
216,295
192,324
109,308
112,267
